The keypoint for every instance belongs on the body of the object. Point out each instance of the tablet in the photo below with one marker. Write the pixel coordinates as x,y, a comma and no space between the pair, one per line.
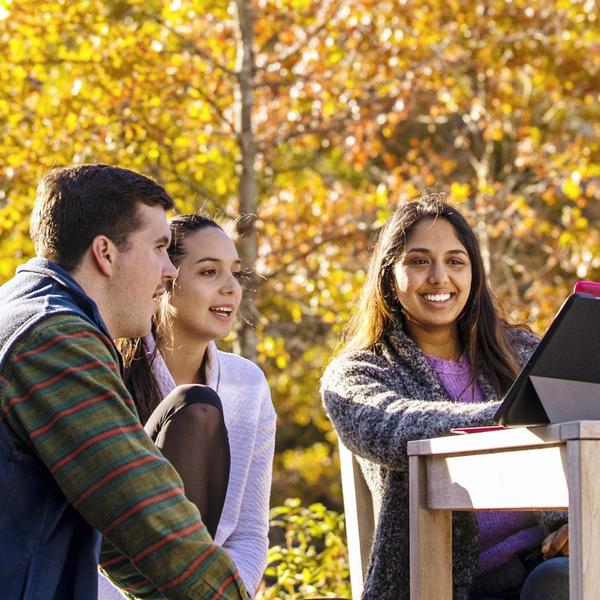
561,380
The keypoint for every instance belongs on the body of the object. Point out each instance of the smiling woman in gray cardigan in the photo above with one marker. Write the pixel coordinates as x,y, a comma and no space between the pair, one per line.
427,352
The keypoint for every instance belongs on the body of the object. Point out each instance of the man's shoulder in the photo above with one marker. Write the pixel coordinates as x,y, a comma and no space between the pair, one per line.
67,323
42,300
64,330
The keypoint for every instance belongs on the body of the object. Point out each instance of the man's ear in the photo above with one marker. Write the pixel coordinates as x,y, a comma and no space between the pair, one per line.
104,253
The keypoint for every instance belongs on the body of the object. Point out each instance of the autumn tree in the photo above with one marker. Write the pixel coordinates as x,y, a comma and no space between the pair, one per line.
313,119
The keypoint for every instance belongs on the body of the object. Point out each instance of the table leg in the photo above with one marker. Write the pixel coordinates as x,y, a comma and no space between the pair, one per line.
584,516
430,541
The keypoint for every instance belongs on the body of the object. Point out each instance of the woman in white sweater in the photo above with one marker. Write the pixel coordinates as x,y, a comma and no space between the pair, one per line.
198,308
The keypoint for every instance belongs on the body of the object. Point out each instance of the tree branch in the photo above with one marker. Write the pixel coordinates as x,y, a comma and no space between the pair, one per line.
322,19
325,239
190,45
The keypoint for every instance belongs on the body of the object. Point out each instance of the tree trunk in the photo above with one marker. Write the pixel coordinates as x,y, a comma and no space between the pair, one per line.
246,225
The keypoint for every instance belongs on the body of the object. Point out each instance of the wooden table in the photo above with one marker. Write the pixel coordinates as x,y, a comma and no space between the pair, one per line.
552,467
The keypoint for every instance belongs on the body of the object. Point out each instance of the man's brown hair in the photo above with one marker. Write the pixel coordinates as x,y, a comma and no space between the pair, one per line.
75,204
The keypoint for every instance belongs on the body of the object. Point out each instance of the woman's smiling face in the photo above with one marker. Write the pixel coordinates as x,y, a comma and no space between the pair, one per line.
206,293
433,277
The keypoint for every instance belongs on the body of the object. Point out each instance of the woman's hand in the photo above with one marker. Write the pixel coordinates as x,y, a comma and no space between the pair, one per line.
556,543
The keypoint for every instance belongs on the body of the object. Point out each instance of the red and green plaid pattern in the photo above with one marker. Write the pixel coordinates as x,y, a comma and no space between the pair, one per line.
63,395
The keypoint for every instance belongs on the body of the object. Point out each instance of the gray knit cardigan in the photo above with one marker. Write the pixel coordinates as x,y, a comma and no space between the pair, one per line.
378,401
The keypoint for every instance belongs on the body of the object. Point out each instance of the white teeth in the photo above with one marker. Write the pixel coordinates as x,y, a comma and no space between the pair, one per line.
437,297
222,309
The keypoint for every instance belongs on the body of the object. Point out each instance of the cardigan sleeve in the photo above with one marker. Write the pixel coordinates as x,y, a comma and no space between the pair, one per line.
367,402
248,544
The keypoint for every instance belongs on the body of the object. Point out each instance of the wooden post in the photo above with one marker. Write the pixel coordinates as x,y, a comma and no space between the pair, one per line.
430,539
360,519
584,517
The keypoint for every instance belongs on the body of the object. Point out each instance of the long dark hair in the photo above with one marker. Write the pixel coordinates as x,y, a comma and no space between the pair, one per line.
138,376
481,325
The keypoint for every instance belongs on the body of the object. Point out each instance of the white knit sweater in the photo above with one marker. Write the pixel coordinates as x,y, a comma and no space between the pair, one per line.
250,420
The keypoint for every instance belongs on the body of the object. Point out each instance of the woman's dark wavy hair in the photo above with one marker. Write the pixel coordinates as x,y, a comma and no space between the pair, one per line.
481,325
138,375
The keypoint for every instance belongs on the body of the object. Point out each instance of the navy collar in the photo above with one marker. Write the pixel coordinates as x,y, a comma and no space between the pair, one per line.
47,268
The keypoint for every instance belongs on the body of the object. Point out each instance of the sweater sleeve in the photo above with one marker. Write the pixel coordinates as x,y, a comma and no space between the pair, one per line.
66,400
248,544
367,402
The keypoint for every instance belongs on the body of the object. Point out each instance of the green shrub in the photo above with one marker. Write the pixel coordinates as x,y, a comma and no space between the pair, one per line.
308,556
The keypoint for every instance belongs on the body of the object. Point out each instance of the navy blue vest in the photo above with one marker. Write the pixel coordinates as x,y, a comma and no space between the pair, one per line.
47,550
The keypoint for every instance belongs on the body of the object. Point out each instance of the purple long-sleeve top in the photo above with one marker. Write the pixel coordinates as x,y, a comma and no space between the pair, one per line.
502,535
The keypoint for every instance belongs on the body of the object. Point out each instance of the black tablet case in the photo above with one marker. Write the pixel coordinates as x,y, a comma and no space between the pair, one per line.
561,380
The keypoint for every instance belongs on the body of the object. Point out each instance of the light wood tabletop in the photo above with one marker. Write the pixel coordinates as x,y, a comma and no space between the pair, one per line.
541,468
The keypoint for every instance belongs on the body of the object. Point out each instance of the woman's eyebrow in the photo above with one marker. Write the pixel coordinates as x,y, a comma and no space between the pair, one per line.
428,251
212,259
421,250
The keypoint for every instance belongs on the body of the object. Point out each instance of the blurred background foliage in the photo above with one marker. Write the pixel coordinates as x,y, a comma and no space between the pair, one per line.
356,106
308,557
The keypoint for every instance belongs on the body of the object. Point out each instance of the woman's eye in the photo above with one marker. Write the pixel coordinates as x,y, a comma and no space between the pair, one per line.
238,274
208,272
419,261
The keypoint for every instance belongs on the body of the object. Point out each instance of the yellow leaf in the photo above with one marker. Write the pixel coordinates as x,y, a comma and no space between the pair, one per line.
571,189
459,191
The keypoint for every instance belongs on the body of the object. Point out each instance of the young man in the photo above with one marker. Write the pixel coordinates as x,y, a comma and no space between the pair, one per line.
75,462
